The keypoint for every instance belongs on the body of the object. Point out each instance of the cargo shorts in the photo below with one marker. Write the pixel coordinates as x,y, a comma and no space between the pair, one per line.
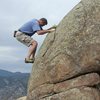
23,38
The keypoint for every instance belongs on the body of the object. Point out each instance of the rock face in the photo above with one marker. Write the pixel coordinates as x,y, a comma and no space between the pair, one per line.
67,66
22,98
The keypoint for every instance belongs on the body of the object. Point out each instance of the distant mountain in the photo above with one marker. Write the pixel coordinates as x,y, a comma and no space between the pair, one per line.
8,74
13,85
5,73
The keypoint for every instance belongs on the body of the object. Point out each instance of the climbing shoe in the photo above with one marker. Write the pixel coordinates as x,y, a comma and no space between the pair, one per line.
29,60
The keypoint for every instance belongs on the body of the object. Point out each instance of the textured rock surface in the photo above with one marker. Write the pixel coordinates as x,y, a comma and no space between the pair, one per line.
67,66
22,98
83,93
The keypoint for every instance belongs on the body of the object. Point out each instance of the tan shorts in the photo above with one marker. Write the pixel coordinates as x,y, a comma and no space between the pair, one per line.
25,39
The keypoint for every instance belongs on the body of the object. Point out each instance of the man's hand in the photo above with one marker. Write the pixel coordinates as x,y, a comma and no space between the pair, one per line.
53,27
51,30
41,32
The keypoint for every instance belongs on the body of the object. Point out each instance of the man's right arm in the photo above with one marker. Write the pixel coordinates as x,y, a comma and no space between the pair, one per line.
42,32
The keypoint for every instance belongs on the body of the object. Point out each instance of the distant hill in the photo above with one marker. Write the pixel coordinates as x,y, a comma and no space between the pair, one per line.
8,74
5,73
13,85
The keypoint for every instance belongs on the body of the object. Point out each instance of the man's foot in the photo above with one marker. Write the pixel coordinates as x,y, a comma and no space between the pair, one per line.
29,60
32,58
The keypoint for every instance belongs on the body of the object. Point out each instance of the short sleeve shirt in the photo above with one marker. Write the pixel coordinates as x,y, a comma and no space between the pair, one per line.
31,27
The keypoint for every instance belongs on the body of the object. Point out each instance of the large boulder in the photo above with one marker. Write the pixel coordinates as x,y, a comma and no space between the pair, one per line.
22,98
67,66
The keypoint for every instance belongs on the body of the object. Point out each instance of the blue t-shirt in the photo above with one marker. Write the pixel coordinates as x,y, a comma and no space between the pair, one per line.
31,27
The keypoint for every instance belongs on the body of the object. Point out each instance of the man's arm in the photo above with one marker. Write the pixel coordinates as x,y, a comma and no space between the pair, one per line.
41,32
53,27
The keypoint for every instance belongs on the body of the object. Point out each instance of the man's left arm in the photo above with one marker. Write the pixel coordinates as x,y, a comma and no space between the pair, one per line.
42,32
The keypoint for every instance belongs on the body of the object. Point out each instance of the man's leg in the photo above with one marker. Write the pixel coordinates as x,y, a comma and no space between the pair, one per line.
33,54
27,40
32,50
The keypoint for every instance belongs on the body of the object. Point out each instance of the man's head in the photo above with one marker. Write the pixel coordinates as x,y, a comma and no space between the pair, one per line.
43,22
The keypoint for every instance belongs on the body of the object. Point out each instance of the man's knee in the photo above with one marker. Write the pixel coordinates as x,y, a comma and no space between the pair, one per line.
34,43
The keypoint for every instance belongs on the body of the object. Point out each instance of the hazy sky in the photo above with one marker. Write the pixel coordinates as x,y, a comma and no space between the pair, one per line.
13,14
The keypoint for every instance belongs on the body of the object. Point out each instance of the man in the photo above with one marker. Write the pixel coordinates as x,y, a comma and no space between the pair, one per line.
26,31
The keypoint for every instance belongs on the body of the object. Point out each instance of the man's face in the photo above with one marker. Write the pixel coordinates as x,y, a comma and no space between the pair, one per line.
42,23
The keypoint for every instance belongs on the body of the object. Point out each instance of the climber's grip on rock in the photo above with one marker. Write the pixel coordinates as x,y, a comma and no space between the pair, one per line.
42,32
52,29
